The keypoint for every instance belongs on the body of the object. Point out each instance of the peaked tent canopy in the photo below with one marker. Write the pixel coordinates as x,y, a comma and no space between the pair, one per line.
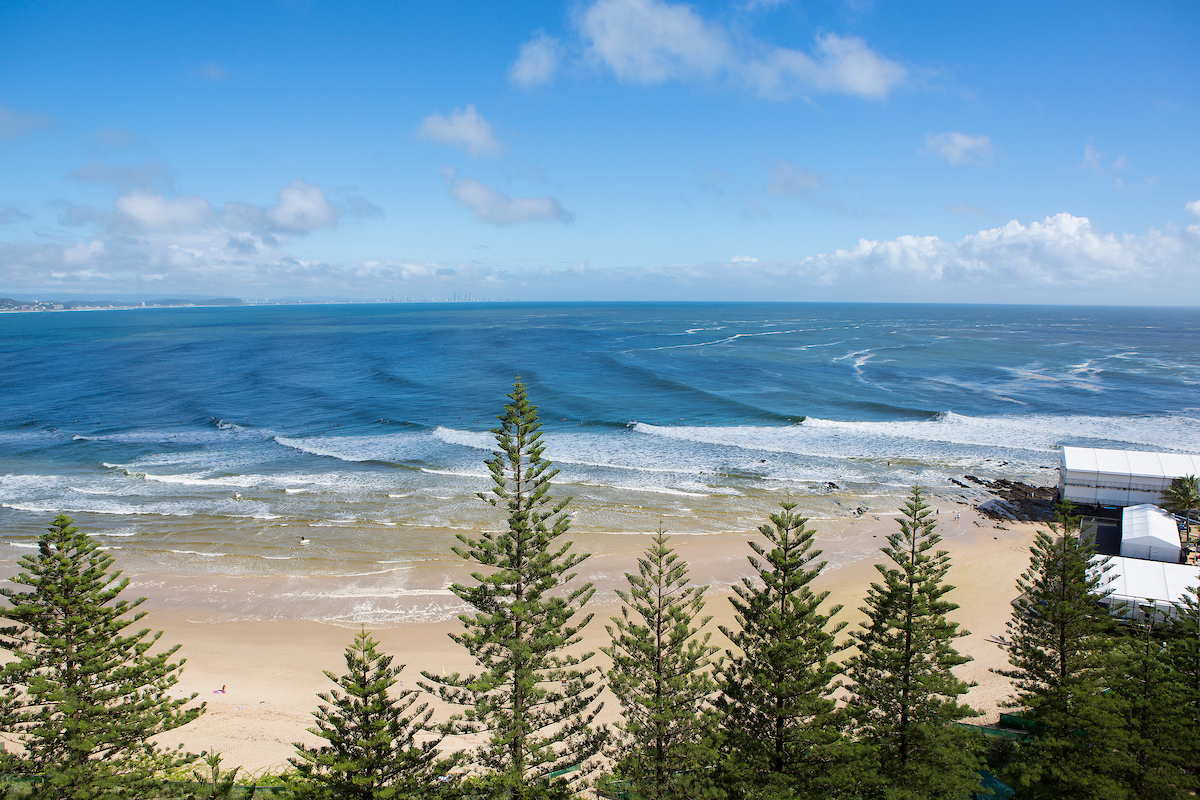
1120,477
1149,532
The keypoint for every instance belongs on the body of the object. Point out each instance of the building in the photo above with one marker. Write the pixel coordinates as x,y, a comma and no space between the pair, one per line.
1149,532
1136,586
1095,477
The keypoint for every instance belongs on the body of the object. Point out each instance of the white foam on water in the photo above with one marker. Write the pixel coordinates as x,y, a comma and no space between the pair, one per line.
476,440
936,438
23,546
199,553
393,447
114,509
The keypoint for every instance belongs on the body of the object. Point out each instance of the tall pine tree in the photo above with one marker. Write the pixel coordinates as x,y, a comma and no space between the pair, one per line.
1060,651
661,677
782,732
81,695
1155,711
1183,649
905,697
371,749
534,700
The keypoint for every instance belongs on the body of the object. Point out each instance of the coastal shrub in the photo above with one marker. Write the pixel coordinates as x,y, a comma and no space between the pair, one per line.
371,749
1061,652
782,731
904,697
661,676
81,696
533,700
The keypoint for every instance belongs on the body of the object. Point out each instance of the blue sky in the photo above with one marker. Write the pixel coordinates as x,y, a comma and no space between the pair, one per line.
606,149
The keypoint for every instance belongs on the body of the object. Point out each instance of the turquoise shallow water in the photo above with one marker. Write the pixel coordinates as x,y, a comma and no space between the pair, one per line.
208,441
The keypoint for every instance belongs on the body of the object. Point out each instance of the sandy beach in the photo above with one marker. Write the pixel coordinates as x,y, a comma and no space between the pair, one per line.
271,671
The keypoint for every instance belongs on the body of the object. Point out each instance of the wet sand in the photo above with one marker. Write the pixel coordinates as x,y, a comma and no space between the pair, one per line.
271,671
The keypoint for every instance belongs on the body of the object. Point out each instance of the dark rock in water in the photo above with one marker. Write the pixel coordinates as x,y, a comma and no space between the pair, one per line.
831,485
860,510
959,483
1013,500
973,479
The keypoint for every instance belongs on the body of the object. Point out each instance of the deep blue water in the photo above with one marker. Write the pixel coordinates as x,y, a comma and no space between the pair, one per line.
205,438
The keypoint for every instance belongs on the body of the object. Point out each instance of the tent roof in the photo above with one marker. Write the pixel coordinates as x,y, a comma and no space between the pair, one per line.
1149,525
1145,580
1130,462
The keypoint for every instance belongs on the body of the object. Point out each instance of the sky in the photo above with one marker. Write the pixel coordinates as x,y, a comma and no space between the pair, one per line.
850,150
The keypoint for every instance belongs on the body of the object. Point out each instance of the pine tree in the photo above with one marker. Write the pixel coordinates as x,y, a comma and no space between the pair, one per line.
905,697
1155,712
1183,650
531,698
1059,648
81,696
371,748
661,677
782,732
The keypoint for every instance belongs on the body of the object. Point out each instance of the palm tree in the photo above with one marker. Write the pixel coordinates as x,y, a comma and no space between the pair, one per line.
1182,498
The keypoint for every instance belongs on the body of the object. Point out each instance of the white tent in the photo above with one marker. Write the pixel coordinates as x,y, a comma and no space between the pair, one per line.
1120,477
1149,532
1136,582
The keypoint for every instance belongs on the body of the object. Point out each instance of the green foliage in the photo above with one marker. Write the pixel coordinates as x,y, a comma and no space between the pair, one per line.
371,748
1182,496
1183,651
660,675
216,785
905,697
80,695
532,698
1155,714
782,732
1060,648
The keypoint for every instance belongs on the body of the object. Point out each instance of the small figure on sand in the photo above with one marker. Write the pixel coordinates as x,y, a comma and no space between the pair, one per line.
304,540
220,691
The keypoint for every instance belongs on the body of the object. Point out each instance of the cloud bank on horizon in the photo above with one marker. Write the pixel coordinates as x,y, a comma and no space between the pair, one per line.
618,149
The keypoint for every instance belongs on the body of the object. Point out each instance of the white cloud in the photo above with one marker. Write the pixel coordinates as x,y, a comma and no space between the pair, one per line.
150,174
959,148
19,123
212,71
1062,258
536,63
1091,157
147,211
788,180
82,252
1194,207
464,128
302,208
652,41
1060,251
490,205
10,214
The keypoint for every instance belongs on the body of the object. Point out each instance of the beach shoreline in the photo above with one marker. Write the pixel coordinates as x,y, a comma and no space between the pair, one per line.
260,677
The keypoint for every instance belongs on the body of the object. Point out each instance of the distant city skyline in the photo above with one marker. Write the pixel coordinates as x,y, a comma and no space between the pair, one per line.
602,150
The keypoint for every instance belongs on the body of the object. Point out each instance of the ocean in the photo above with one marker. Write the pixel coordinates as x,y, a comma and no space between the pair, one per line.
201,445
